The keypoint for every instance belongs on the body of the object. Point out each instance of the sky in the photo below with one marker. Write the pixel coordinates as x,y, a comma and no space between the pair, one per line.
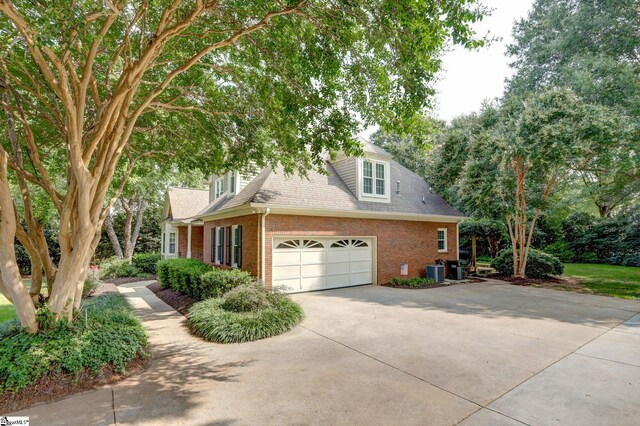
469,77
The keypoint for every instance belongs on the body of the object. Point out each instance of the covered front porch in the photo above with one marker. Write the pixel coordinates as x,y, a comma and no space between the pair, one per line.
182,239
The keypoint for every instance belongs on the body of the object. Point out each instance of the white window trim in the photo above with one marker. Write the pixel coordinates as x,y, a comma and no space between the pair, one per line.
175,242
387,181
446,248
234,264
217,251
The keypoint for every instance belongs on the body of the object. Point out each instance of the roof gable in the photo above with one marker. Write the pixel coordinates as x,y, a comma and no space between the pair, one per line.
184,203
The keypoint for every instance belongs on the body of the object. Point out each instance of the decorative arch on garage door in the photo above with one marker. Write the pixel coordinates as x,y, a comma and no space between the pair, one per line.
318,263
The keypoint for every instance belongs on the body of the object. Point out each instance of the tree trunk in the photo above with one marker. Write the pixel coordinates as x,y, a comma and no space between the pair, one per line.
605,210
131,247
494,247
113,237
71,274
127,206
36,263
11,279
35,232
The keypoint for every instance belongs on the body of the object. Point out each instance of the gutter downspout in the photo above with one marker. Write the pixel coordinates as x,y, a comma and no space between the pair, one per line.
263,271
458,240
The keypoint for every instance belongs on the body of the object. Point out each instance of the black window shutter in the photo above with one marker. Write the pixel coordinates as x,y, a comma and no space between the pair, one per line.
213,244
228,245
239,244
220,258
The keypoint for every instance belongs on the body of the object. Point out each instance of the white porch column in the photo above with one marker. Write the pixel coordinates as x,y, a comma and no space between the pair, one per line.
189,241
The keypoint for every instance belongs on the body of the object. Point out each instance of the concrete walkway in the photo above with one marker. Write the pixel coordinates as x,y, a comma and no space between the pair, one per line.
474,354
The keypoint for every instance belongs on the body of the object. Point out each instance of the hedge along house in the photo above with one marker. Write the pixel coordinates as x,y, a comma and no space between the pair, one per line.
180,234
357,224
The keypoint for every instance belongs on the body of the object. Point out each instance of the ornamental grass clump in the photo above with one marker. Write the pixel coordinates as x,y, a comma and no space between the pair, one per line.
246,313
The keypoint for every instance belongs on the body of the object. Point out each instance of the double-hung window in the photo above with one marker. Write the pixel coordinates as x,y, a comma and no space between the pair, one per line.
442,239
220,246
374,177
219,187
172,243
237,246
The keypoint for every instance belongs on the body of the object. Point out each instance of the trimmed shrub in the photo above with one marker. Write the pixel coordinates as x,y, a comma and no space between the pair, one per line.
91,282
246,298
210,320
217,282
106,332
412,282
539,264
117,268
182,275
146,263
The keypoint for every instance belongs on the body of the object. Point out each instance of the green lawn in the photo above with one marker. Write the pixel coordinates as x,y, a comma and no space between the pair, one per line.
616,281
7,311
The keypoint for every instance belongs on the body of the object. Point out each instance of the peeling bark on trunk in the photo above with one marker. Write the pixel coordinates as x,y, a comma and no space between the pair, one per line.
11,279
36,263
39,255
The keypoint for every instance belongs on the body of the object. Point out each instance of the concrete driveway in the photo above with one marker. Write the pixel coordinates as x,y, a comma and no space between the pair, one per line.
473,354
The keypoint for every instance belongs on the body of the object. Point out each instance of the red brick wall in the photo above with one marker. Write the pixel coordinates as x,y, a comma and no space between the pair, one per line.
415,243
250,241
196,241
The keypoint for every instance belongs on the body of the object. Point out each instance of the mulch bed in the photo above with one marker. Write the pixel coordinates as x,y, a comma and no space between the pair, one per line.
555,283
127,280
55,386
58,385
451,283
178,301
417,288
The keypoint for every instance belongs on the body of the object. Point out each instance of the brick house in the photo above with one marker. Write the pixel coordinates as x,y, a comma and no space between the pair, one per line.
357,224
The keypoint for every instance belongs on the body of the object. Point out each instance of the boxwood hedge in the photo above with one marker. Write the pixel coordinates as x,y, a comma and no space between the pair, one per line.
197,279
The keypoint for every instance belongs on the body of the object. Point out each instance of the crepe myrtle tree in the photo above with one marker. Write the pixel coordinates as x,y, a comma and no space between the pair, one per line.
93,86
542,139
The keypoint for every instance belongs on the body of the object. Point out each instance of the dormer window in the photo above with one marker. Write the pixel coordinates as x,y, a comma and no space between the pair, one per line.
374,178
219,187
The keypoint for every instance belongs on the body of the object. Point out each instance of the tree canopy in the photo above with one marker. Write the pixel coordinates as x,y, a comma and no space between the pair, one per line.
590,47
91,87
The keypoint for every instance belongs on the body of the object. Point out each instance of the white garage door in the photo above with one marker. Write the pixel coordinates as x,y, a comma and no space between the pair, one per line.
306,264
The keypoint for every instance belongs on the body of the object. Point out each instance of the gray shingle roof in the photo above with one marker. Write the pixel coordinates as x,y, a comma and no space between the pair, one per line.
319,191
187,202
